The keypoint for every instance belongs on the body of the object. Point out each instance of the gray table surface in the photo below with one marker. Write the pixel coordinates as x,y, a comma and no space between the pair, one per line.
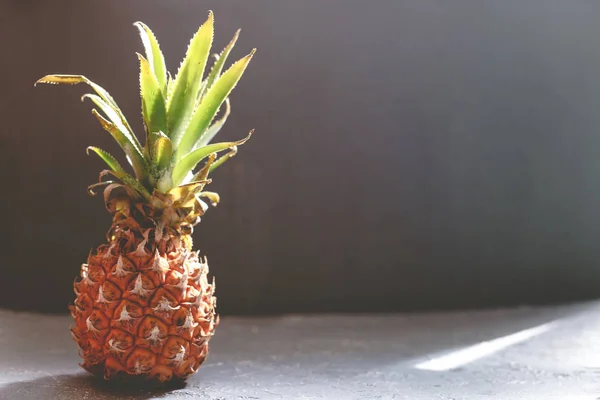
334,357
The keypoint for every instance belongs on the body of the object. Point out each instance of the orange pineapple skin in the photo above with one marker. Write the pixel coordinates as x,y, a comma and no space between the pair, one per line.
144,306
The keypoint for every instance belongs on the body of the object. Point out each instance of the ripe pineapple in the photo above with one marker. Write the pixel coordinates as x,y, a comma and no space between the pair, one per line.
144,305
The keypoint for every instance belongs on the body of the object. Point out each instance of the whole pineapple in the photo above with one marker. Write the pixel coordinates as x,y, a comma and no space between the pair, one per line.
144,305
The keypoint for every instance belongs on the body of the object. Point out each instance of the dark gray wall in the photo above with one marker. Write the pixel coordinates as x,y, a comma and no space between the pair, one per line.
408,154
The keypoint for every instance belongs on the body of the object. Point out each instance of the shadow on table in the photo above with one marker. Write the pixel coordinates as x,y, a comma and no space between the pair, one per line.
81,386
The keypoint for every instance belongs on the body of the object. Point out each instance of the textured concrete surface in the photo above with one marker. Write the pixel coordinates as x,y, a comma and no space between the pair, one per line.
333,357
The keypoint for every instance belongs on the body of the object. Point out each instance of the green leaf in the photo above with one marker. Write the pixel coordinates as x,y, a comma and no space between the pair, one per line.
215,72
212,131
188,80
201,92
189,162
111,114
161,151
117,122
118,126
107,158
76,79
170,87
134,155
129,181
153,55
222,159
210,104
153,103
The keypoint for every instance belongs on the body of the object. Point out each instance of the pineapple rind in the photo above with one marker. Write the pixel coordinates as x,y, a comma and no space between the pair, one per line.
144,305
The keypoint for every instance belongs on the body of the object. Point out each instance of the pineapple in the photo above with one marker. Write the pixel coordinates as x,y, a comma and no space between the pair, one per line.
144,306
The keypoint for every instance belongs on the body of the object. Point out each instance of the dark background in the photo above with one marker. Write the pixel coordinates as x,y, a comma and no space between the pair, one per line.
408,154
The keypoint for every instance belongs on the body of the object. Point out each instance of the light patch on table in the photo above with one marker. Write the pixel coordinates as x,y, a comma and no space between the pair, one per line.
472,353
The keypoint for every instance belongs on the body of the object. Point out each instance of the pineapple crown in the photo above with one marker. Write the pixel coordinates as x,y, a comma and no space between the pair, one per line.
179,114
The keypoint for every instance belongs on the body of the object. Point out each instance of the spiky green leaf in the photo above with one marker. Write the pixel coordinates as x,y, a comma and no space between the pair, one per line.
154,55
210,104
212,131
153,103
215,72
187,82
222,159
170,87
112,162
189,162
129,181
111,114
201,92
134,155
124,134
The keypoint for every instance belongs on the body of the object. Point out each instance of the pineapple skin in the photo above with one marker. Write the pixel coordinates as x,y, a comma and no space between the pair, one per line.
144,306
